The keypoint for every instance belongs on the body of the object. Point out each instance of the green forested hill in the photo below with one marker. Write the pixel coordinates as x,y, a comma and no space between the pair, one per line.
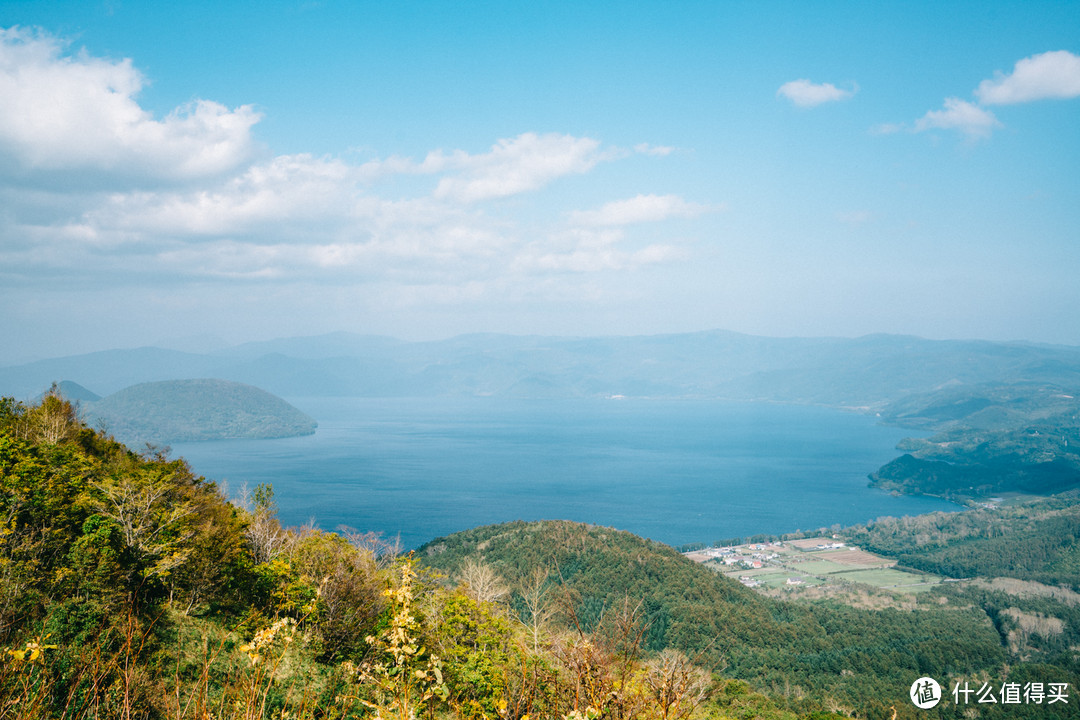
1037,540
857,658
184,410
990,439
1018,563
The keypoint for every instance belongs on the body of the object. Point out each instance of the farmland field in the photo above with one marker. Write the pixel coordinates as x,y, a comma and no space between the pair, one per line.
835,567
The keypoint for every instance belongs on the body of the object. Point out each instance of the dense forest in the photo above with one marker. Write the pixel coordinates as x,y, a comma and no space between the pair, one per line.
852,658
1031,540
992,438
130,587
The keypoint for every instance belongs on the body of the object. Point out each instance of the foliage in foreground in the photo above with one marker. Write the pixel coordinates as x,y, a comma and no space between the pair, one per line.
131,588
805,654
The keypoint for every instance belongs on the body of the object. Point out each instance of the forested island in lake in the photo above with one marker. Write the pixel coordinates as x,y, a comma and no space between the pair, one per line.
188,410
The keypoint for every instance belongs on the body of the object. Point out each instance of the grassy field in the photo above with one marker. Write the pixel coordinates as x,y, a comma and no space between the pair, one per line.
780,579
889,579
820,567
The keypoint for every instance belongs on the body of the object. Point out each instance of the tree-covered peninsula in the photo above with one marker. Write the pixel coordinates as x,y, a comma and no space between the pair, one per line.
988,439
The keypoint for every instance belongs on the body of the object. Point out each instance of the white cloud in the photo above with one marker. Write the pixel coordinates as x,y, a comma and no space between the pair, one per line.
590,259
968,118
289,189
804,93
1048,75
65,113
130,200
638,209
654,150
512,166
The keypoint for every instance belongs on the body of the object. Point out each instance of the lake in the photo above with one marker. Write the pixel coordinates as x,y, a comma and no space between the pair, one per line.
671,470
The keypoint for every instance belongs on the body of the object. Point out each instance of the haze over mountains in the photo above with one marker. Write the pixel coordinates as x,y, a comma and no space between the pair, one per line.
869,371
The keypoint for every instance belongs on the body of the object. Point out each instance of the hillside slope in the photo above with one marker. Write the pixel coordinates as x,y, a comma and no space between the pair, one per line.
866,658
867,371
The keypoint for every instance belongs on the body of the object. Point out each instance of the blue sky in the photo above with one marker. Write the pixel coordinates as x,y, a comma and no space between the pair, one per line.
170,171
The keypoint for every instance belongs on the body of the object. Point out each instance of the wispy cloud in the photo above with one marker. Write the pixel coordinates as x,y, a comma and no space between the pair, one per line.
804,93
654,150
1048,75
512,166
590,250
638,209
971,120
604,239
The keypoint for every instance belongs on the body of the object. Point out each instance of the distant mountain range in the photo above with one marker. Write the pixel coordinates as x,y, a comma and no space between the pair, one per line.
868,372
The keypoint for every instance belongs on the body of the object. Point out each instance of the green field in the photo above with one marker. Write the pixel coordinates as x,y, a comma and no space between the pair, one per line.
822,567
888,578
831,567
817,569
780,580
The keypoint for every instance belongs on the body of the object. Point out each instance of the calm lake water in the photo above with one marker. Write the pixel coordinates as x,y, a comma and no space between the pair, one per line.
674,471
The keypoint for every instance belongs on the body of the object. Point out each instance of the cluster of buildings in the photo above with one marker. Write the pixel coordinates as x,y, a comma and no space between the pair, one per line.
757,556
747,556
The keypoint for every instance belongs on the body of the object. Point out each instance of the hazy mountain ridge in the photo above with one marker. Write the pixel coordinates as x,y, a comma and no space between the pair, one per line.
953,386
72,391
870,371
